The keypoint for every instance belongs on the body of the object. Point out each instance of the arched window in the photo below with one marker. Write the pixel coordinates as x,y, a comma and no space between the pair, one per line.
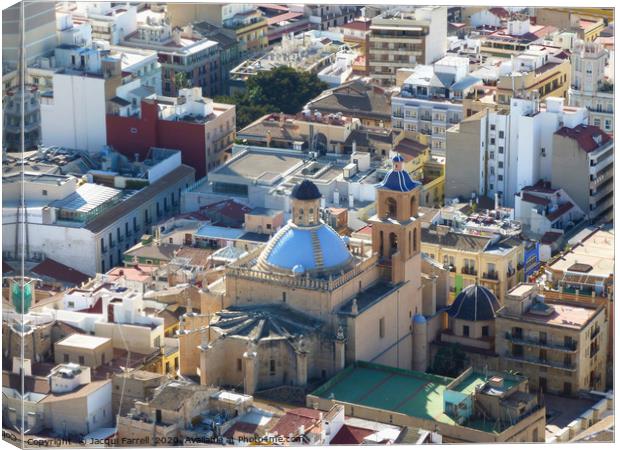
413,205
415,240
391,207
381,243
393,243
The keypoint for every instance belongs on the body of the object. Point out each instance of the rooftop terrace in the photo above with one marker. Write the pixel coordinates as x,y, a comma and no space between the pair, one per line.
409,392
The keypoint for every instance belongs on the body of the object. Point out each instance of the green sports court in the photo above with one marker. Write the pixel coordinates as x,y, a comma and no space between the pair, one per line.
407,392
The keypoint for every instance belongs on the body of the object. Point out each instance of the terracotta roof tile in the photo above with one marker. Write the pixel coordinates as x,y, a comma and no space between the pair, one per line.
350,435
530,198
585,136
550,237
293,419
562,209
58,271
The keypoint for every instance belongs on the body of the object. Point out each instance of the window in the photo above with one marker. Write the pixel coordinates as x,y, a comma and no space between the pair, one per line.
501,135
492,127
500,165
382,327
500,149
485,331
272,367
492,141
44,192
66,358
81,360
283,297
542,354
465,330
239,365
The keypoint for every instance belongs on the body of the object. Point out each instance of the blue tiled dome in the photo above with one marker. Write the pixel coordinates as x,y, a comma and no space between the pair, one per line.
316,249
475,302
398,180
398,158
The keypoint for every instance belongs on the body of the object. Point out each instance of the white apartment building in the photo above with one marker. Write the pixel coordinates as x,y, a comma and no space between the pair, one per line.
73,114
429,100
109,23
88,226
508,149
591,87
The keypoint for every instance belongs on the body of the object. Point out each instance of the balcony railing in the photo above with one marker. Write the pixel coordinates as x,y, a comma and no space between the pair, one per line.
493,275
560,346
541,362
469,271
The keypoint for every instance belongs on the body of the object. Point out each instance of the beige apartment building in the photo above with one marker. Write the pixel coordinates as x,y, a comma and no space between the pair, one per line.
406,40
83,349
560,345
489,261
550,79
583,164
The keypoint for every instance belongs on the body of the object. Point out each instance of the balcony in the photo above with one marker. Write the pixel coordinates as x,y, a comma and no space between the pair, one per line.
541,362
469,271
398,114
425,118
562,347
492,275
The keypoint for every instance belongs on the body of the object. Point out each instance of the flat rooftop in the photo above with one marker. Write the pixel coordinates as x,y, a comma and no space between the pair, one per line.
564,315
84,341
408,392
260,166
596,251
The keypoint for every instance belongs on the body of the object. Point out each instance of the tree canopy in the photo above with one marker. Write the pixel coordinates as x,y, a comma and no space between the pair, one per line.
282,89
449,361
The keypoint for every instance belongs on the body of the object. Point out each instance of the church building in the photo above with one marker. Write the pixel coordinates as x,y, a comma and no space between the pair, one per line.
310,302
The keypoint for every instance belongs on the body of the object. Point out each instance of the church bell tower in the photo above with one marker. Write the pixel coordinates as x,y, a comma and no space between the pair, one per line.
395,227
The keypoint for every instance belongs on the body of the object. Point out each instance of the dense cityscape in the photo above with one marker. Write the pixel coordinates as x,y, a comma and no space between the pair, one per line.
306,224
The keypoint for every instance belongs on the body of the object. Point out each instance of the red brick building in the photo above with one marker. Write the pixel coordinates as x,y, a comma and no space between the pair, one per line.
201,129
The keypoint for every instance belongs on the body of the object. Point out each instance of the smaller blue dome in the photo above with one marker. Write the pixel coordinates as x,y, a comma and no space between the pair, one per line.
398,158
399,180
298,269
306,190
419,318
473,303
